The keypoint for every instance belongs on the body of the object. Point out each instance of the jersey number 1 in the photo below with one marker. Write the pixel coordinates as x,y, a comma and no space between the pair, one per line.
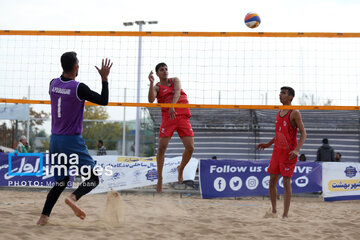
59,108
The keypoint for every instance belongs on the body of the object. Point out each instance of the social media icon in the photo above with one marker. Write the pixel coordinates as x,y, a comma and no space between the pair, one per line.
235,183
302,181
252,182
219,184
266,182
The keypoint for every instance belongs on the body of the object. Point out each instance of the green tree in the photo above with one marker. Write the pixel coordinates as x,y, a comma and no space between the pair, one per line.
94,128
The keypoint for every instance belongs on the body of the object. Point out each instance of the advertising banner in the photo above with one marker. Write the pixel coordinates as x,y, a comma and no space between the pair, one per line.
131,172
341,181
14,111
232,178
117,173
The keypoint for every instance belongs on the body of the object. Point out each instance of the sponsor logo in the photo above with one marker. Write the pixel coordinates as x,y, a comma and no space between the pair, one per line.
350,171
152,175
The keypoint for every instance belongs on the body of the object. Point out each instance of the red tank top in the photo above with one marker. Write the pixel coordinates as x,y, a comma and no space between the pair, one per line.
166,94
285,134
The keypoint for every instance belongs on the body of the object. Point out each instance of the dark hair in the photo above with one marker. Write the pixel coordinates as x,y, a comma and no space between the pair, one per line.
291,91
101,141
325,141
159,66
68,61
339,154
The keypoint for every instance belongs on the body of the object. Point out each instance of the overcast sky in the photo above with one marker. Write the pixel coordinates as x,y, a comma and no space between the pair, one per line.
184,15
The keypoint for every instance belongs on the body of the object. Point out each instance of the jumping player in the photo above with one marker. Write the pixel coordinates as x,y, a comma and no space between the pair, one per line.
67,108
286,149
168,90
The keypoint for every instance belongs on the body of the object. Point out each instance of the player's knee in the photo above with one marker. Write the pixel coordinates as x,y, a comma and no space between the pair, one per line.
161,150
189,148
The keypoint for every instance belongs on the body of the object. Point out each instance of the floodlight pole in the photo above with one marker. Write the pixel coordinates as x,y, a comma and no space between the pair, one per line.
137,130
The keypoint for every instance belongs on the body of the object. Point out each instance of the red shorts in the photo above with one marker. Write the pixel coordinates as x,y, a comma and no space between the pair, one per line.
181,124
280,164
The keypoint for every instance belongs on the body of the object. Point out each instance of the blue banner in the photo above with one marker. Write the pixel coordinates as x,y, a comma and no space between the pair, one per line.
232,178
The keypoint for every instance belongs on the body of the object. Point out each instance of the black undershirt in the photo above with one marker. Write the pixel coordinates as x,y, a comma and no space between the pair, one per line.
85,93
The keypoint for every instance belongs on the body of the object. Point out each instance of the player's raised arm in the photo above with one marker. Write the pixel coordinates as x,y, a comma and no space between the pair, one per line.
85,93
152,89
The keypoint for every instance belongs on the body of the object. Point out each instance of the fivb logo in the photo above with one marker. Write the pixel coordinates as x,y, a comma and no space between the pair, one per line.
26,169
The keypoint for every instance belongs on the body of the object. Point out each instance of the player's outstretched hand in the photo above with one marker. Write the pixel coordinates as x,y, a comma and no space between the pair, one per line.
105,69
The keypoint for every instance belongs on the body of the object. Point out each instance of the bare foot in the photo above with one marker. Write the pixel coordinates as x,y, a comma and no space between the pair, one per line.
43,220
180,175
77,211
159,185
285,216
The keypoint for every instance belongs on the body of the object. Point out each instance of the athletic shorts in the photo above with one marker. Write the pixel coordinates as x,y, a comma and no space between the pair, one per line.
69,144
280,164
181,124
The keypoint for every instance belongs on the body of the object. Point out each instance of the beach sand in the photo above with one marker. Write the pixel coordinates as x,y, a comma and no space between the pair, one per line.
169,216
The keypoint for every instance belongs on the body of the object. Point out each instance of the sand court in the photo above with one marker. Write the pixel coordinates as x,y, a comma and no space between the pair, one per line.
167,216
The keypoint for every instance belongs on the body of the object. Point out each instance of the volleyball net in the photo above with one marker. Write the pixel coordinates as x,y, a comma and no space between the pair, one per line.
232,71
214,68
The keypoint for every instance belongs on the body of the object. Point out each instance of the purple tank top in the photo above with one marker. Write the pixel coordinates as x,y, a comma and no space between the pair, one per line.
67,109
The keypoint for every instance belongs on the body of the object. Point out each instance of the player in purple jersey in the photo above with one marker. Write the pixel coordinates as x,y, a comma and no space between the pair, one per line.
67,108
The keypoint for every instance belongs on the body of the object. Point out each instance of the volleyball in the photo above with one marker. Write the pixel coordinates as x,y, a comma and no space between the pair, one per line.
252,20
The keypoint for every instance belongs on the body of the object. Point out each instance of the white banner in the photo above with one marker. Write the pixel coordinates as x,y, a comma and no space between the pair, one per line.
340,181
131,172
14,111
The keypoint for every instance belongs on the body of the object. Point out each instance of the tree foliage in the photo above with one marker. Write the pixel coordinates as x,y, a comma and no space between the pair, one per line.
95,129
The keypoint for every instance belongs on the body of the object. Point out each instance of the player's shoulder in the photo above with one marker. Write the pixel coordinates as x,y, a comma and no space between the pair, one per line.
295,114
175,79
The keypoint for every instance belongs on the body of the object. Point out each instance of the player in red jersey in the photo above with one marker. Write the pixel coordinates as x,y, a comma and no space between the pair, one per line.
286,149
168,90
